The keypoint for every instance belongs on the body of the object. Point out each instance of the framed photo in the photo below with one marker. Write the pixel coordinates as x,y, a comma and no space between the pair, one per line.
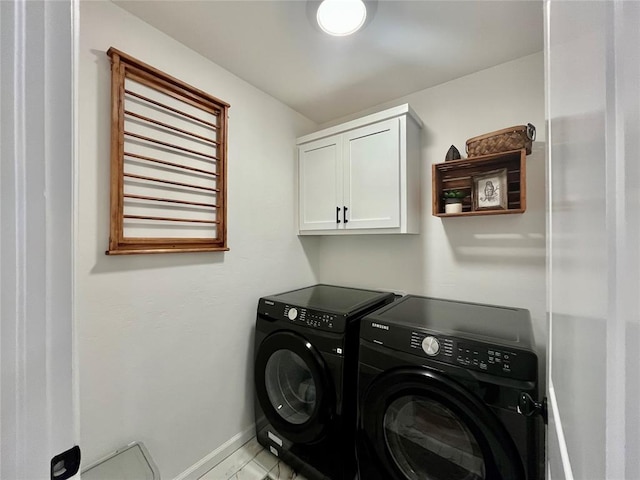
490,190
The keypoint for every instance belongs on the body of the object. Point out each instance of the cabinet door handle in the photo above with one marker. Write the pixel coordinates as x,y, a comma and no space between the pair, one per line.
337,214
344,215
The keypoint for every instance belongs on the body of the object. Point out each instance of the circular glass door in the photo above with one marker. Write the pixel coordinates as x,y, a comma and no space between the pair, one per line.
428,441
290,387
293,387
422,425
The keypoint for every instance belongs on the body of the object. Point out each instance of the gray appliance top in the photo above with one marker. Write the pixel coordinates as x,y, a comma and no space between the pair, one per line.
486,323
329,298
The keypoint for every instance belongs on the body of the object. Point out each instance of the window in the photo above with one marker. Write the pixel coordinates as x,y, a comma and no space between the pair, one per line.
168,163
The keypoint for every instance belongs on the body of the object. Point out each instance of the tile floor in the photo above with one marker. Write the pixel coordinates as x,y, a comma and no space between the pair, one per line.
251,462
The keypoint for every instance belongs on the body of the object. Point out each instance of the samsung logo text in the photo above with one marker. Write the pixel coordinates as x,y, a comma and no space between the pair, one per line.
381,327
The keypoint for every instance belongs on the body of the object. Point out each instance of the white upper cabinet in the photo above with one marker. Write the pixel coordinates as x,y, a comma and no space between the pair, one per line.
371,175
320,183
362,176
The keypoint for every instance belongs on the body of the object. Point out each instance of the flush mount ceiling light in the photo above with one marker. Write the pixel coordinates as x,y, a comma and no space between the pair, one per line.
341,17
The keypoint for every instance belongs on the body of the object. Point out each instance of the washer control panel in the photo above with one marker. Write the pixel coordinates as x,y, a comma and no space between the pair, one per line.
311,318
303,317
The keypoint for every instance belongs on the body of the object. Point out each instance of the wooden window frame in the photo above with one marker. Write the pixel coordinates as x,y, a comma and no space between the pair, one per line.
123,67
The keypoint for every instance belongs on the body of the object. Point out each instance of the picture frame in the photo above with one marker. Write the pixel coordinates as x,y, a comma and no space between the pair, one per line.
490,190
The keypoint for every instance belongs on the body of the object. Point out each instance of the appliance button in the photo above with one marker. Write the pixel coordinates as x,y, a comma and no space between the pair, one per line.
431,346
292,314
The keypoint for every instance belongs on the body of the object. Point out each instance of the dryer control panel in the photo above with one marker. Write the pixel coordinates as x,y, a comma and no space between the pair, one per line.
489,359
471,354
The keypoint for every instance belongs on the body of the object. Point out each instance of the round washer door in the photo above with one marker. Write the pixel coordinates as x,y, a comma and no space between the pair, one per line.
293,387
423,425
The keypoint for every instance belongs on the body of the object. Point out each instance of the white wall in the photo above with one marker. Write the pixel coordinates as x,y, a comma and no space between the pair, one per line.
165,341
491,259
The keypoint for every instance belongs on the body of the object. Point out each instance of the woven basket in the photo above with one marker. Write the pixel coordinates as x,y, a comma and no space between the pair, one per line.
512,138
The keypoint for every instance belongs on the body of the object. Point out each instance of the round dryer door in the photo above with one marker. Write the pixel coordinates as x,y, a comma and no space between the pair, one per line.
423,425
293,387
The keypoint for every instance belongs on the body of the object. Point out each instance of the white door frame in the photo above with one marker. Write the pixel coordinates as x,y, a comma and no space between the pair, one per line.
593,276
38,81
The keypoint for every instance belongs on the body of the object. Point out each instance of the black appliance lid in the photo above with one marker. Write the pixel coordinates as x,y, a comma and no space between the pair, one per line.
488,323
330,298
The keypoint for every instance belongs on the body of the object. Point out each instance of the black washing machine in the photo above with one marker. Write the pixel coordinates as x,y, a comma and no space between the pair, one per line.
306,365
447,392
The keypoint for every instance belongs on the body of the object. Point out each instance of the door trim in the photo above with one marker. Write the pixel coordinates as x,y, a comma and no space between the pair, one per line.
38,182
555,429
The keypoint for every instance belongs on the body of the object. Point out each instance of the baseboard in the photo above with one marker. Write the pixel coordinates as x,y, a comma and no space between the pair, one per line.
201,467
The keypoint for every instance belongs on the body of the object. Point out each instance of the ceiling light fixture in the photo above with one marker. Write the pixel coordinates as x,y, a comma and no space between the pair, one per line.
341,17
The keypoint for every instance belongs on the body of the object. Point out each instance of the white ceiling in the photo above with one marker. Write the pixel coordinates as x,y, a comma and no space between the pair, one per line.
405,47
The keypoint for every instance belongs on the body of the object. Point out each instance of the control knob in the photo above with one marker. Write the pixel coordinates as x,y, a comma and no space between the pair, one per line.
293,313
430,345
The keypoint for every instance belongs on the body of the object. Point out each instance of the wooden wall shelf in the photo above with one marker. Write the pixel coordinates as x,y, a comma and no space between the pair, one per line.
458,175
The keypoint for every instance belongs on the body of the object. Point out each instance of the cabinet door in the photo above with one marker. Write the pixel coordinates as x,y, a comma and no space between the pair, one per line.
320,184
372,175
